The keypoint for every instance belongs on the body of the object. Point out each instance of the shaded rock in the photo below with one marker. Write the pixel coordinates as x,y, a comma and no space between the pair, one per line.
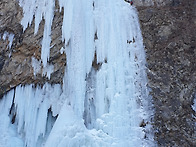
169,39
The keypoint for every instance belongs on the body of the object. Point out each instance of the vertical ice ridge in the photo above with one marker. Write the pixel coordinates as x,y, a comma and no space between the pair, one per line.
68,6
41,10
48,16
115,99
8,136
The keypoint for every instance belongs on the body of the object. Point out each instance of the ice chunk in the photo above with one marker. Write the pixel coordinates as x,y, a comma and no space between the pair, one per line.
10,38
5,34
48,70
36,65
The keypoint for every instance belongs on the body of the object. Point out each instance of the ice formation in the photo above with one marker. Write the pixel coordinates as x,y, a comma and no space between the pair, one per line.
104,97
10,37
36,64
194,103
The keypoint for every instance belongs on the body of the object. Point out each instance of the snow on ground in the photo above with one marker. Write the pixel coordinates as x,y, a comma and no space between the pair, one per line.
99,106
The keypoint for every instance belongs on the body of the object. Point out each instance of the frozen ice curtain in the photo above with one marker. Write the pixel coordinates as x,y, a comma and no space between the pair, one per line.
104,97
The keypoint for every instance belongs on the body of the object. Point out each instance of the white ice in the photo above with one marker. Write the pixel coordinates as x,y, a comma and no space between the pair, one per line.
41,9
36,66
5,34
112,99
194,103
10,37
29,107
8,135
101,105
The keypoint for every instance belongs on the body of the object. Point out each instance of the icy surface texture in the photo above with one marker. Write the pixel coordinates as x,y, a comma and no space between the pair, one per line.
104,100
8,134
29,112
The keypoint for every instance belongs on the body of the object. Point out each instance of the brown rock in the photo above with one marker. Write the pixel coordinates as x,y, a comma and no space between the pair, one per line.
169,37
17,68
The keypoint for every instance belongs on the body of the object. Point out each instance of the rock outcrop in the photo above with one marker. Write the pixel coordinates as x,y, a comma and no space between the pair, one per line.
18,56
169,36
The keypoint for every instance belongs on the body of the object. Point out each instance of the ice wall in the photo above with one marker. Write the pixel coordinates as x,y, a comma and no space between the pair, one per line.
30,112
104,99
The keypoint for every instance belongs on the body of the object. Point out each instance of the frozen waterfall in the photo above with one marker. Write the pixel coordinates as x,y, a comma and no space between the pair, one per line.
104,100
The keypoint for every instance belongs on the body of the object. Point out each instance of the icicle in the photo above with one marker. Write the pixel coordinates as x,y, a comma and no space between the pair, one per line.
48,70
194,103
8,135
38,9
31,114
5,34
67,19
10,38
48,16
36,65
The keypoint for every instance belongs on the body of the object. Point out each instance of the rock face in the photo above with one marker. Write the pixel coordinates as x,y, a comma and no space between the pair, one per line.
169,34
168,28
16,61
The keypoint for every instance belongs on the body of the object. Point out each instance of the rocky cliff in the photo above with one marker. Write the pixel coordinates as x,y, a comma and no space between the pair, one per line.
169,34
168,28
